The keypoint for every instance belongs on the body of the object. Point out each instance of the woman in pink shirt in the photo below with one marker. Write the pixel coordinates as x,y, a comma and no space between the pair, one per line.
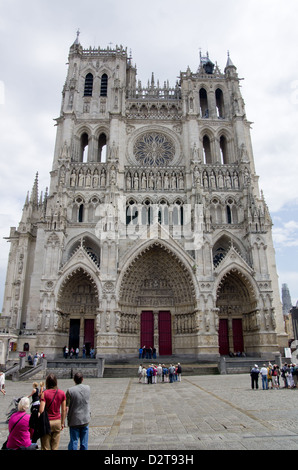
54,400
18,426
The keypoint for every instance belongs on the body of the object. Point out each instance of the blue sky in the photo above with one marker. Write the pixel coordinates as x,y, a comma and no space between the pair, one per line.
165,37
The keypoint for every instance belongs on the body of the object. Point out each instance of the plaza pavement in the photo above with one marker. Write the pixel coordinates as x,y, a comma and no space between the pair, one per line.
216,412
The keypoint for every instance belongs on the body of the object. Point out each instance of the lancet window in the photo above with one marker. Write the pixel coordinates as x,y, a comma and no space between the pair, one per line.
88,85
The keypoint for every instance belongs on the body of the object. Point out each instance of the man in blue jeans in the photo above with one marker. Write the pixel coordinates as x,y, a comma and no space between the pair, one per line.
264,373
78,413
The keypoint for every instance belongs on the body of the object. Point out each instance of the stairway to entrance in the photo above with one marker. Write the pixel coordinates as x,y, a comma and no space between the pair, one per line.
129,367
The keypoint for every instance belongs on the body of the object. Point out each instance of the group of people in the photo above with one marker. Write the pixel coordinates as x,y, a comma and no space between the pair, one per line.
74,352
147,353
33,360
271,376
157,374
25,427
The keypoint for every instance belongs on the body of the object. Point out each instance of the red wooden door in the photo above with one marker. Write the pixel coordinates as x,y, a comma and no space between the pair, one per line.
89,333
223,337
237,335
165,333
147,329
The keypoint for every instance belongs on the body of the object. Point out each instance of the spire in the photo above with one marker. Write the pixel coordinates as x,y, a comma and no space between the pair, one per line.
229,62
77,42
230,67
34,192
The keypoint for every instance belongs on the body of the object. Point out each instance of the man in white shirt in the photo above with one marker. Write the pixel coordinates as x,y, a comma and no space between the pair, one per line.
264,375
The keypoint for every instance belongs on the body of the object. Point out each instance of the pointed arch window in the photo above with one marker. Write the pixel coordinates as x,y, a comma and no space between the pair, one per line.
219,103
178,215
223,149
147,213
207,149
132,213
163,213
88,85
102,148
104,85
204,103
84,147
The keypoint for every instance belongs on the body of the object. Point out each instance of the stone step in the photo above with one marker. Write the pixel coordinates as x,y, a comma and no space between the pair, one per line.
116,370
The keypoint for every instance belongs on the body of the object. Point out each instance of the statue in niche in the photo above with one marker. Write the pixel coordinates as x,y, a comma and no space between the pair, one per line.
212,180
220,180
81,178
151,181
128,181
103,179
136,181
88,178
73,178
166,181
173,181
144,181
158,181
95,179
181,181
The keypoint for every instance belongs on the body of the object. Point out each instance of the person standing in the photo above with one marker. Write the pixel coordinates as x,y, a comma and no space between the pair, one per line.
254,376
34,411
2,383
54,400
149,374
264,373
179,371
78,413
171,373
140,370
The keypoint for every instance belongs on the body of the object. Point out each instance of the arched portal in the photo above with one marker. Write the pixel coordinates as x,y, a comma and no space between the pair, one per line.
157,287
236,305
78,302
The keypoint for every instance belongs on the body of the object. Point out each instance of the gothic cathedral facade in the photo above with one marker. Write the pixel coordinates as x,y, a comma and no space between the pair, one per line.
153,231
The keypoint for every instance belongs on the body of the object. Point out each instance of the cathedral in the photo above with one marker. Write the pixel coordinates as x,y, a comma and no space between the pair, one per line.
153,231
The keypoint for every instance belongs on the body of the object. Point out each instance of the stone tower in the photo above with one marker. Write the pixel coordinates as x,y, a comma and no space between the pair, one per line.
153,232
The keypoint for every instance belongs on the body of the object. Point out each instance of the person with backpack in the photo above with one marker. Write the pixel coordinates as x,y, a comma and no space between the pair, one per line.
149,374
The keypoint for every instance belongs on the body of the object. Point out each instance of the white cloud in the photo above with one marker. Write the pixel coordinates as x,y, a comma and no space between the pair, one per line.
165,37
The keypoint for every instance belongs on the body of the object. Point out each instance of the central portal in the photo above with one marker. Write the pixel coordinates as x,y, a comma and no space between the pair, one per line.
158,286
164,331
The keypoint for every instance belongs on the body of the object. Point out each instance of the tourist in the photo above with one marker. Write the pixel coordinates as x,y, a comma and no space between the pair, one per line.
179,371
140,370
154,374
275,376
159,373
171,373
284,370
290,379
34,411
19,432
78,413
295,375
269,375
144,375
165,373
264,373
2,383
35,360
54,400
140,353
149,375
254,374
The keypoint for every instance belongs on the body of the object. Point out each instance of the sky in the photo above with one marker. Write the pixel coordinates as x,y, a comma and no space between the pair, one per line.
164,37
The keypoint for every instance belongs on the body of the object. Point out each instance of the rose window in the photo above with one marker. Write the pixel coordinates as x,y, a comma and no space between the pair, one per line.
154,149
